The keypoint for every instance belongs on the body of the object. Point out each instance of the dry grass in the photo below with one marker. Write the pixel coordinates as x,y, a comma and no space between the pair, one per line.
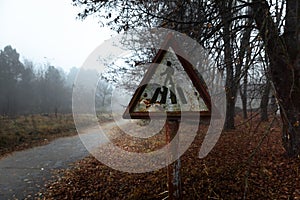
24,132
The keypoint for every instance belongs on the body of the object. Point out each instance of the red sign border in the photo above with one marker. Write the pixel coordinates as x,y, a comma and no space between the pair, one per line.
195,77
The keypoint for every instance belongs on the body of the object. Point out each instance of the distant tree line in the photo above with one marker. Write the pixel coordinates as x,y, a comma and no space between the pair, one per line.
29,89
26,90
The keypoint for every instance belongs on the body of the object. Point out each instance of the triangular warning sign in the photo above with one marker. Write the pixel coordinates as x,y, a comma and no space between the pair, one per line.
170,86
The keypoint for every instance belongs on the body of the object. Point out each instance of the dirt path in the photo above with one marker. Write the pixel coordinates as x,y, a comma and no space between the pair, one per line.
23,174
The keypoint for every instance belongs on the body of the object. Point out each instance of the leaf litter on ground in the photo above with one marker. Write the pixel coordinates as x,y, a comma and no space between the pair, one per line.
246,163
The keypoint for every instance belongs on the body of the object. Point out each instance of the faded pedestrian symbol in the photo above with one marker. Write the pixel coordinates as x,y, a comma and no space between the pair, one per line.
170,86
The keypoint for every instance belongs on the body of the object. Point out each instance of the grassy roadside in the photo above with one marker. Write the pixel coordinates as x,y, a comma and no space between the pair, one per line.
23,132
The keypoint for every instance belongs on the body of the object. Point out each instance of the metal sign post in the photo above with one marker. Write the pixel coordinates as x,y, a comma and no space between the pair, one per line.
174,178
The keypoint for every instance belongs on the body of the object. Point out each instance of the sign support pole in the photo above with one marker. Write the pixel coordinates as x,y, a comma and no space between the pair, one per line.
165,93
174,178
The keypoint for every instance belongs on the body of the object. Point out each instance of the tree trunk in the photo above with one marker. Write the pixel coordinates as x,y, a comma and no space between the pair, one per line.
284,55
290,99
244,89
291,131
230,104
244,95
265,102
231,87
233,72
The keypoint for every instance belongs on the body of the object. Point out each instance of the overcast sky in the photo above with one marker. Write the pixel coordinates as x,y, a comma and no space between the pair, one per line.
48,31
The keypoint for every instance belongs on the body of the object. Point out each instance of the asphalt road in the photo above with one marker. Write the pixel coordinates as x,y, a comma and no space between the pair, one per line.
24,173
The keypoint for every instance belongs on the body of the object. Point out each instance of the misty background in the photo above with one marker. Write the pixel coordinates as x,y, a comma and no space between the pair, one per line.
30,88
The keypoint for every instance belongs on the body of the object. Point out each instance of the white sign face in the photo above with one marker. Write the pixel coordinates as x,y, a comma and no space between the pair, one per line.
170,89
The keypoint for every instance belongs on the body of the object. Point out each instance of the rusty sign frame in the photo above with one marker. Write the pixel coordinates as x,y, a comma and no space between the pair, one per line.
193,74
